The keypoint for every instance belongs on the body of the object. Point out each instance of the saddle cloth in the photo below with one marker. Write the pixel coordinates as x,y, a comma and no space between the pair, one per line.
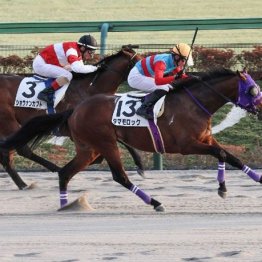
125,110
30,87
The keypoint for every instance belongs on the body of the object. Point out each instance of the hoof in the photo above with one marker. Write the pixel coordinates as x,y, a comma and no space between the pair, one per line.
80,204
222,193
141,172
31,186
222,190
160,208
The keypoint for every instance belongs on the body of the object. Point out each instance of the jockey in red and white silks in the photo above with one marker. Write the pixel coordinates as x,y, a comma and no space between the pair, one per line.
58,60
154,74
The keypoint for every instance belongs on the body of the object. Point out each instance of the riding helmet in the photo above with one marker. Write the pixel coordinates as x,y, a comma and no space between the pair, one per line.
88,41
184,51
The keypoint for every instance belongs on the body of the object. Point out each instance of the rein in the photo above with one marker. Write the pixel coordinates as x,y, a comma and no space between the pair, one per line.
211,88
197,101
216,92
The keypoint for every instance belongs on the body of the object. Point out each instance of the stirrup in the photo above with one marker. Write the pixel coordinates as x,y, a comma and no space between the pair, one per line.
143,111
45,97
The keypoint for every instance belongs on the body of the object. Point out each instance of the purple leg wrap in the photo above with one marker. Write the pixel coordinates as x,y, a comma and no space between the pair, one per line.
136,190
221,172
63,198
252,174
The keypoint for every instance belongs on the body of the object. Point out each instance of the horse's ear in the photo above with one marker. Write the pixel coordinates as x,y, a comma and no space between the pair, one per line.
127,52
241,76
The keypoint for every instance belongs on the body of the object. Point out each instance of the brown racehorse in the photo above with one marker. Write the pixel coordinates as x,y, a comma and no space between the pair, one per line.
113,71
185,126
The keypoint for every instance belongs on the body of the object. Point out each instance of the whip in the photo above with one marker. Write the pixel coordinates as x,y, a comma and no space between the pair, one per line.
191,47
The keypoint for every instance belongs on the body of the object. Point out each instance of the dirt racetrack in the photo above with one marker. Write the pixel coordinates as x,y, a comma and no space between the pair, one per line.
197,226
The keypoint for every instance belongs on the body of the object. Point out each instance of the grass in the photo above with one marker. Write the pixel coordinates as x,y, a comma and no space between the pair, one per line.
114,10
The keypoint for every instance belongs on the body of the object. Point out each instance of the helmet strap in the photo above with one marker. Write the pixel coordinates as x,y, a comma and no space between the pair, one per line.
82,49
176,58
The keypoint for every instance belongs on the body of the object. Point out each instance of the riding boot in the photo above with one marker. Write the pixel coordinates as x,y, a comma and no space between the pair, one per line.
146,109
47,94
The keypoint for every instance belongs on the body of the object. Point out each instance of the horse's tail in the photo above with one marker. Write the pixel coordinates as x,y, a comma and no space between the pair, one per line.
35,130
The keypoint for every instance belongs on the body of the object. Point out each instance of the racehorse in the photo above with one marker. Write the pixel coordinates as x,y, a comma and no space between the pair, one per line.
185,126
113,70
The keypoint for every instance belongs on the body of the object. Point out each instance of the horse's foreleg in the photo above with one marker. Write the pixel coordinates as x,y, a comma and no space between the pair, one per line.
119,175
222,190
235,162
28,153
223,156
6,159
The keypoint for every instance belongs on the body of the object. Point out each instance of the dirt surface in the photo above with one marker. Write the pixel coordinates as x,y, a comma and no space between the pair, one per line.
197,226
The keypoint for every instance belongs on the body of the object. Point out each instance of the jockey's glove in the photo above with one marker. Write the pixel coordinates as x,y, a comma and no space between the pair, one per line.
102,66
180,75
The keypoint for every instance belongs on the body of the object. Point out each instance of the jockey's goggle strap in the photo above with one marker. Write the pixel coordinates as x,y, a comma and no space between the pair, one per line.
180,57
89,49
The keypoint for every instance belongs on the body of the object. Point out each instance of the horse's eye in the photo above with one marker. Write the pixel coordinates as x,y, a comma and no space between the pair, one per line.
254,91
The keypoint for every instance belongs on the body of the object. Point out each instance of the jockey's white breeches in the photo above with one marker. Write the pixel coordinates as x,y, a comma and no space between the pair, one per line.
144,83
42,68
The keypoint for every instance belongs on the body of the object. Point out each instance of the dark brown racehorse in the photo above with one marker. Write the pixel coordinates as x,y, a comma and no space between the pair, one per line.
113,71
185,126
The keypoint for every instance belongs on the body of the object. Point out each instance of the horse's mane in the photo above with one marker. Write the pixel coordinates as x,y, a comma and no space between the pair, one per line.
104,61
107,59
204,76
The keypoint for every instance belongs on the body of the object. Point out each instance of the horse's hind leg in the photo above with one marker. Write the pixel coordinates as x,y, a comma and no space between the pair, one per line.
28,153
112,156
78,163
6,159
137,159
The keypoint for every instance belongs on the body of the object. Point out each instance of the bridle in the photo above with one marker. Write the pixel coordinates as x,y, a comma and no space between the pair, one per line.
104,67
242,83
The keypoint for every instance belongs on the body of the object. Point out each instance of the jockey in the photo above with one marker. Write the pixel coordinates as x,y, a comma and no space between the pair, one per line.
58,60
149,75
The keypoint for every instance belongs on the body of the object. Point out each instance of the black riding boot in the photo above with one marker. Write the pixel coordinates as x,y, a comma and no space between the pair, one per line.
146,109
46,95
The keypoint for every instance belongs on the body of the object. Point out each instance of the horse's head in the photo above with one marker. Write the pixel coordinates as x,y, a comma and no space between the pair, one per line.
249,94
112,71
121,62
222,86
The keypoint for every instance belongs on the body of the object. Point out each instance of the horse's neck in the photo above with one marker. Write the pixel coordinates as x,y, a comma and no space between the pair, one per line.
220,93
105,82
215,94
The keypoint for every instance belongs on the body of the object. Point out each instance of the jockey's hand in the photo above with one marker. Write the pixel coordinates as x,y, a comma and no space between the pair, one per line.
180,75
101,66
195,77
68,67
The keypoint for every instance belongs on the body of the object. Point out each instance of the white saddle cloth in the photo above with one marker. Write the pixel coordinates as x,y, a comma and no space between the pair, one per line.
125,110
28,90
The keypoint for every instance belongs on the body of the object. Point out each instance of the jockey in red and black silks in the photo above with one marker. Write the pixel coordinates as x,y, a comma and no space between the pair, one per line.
154,74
